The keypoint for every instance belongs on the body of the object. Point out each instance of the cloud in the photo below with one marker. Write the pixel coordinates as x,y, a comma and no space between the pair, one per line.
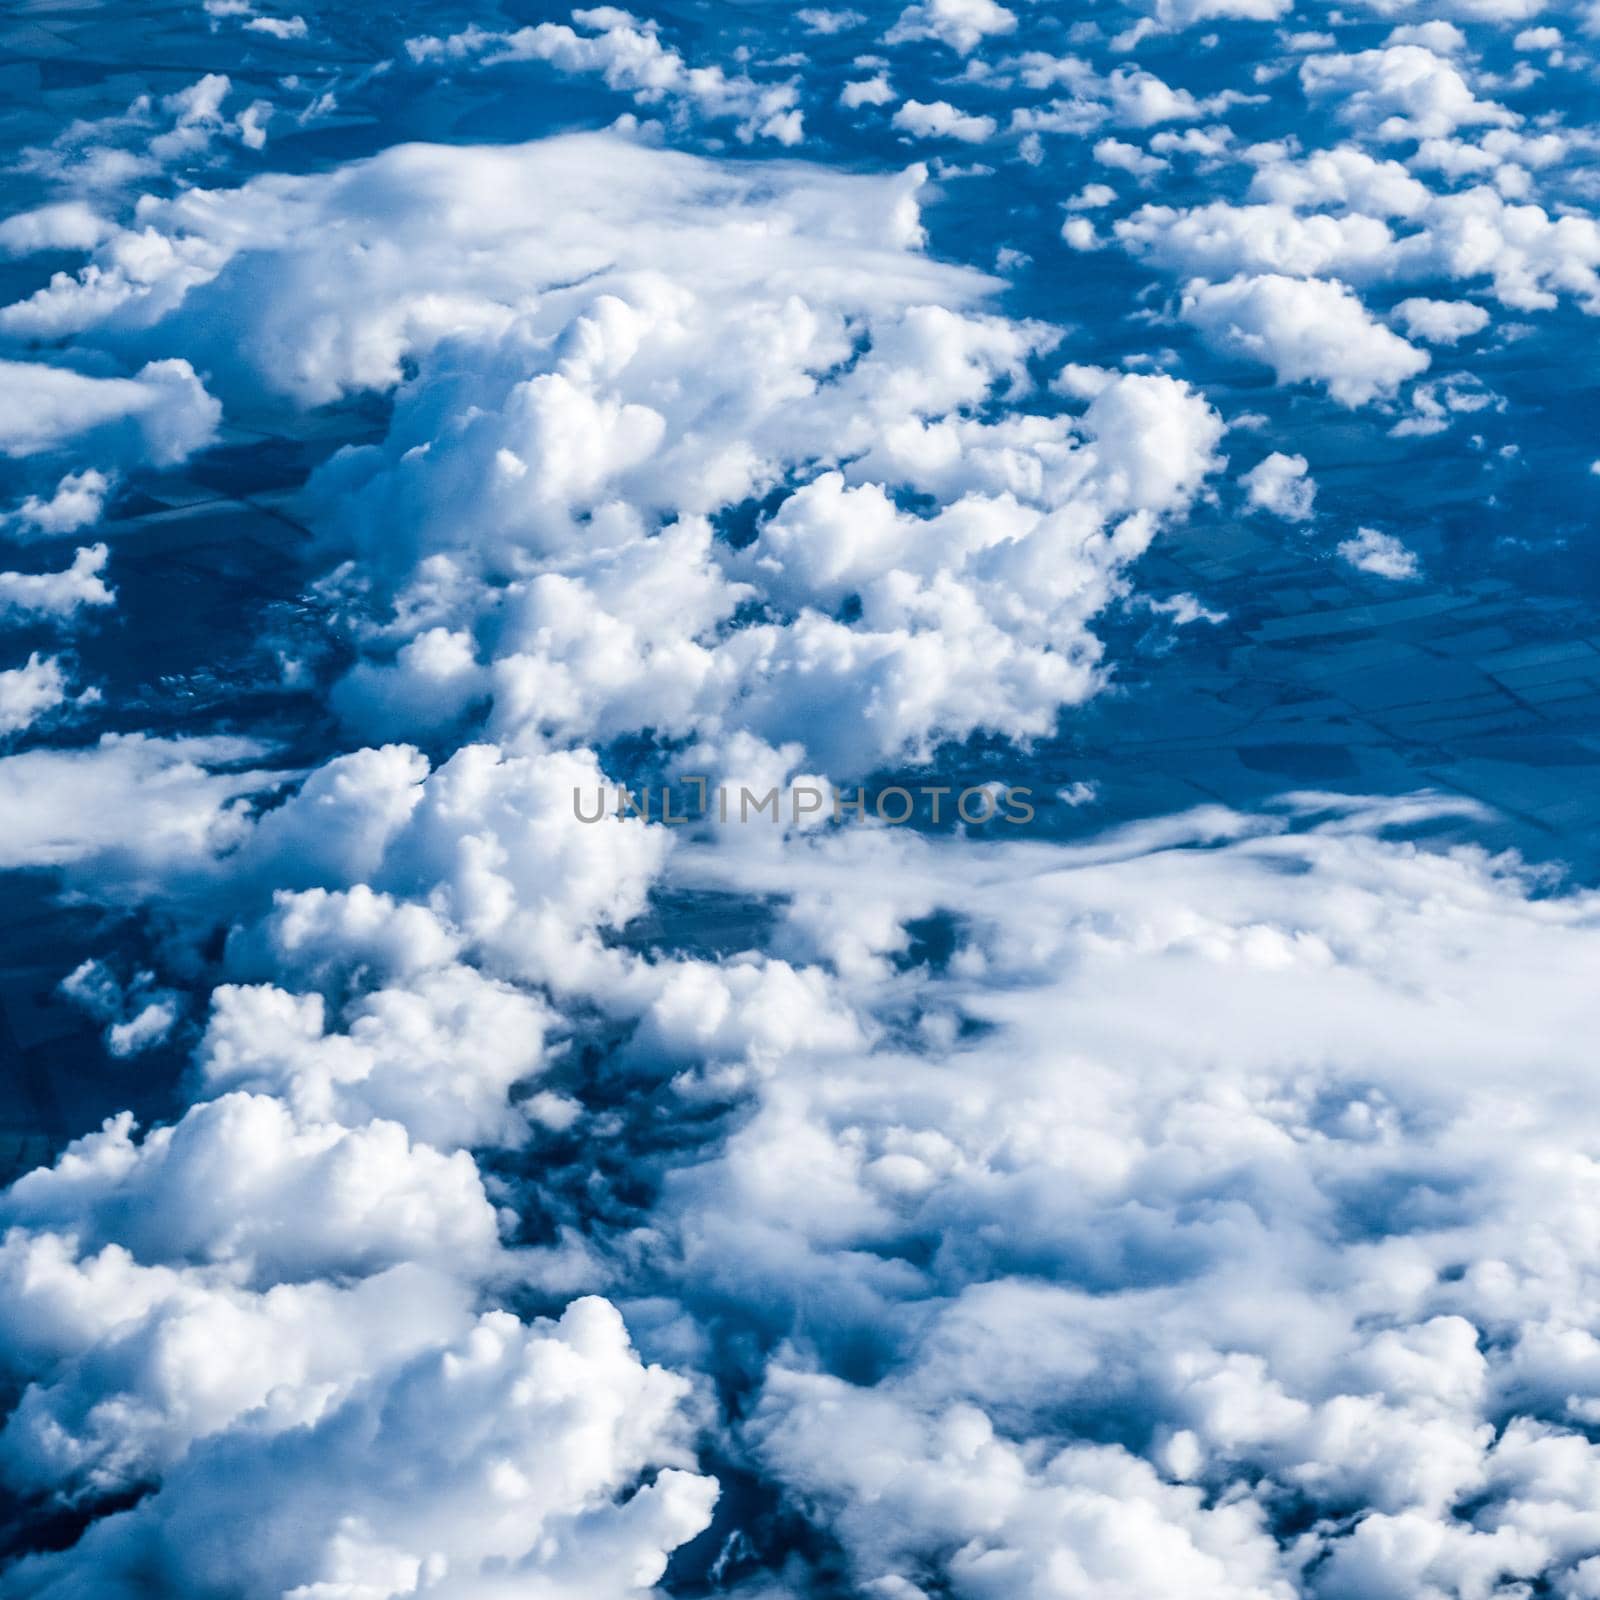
1195,1208
1220,239
1088,1522
1080,234
162,414
962,25
239,1180
941,120
138,1015
512,1453
1174,15
1307,330
1441,321
1280,1327
1281,484
65,225
30,692
629,56
1139,99
57,595
128,1366
434,1055
816,20
1528,257
78,501
108,154
131,804
1129,158
873,91
278,27
257,254
1380,554
579,486
1403,91
1343,176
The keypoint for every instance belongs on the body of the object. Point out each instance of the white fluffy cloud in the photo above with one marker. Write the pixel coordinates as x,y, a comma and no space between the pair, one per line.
587,416
1127,157
1176,14
1168,1213
1381,554
436,1056
77,502
30,691
961,24
1307,330
1403,91
1220,239
58,595
629,56
1343,176
1526,258
162,414
1087,1522
132,805
1289,1260
238,1180
873,91
1441,321
65,225
509,1457
128,1365
106,155
1282,485
939,119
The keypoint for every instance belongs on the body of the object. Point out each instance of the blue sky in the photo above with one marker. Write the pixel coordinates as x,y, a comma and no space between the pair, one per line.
1178,418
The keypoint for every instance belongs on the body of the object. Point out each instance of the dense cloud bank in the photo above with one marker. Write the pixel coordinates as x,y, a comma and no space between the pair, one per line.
1203,1206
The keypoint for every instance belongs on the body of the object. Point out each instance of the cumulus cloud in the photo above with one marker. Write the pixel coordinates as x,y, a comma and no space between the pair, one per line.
1282,485
900,1480
57,595
1225,1356
278,27
240,1181
1381,554
29,692
941,120
435,1055
1441,321
1312,330
512,1453
1168,15
560,457
78,501
1403,91
1127,157
138,1015
105,155
818,20
128,1366
1167,1212
1343,176
873,91
630,57
1139,99
1220,239
961,24
130,803
162,414
65,225
1527,258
